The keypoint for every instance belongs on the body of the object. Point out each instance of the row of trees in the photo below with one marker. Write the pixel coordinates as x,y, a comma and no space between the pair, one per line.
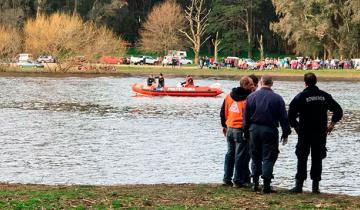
325,28
61,35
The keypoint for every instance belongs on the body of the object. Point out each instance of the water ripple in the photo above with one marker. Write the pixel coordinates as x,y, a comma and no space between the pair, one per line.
93,131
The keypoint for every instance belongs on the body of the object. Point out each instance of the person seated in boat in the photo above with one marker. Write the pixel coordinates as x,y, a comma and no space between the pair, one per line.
161,81
151,81
189,82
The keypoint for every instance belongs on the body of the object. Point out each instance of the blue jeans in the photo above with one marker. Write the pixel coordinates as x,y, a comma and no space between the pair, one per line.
237,157
264,150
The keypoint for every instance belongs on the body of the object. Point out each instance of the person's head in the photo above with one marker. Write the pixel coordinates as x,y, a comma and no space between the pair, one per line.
161,74
255,80
310,79
246,83
266,81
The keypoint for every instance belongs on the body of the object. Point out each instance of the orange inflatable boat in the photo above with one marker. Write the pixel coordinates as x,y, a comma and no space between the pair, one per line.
197,91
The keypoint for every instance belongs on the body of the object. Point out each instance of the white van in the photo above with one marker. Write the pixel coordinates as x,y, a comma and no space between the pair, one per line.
177,53
356,62
24,57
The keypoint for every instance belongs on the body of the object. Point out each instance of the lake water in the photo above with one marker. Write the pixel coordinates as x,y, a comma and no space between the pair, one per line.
77,130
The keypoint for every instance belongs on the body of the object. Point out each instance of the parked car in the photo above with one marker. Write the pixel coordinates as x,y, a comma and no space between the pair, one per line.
110,60
46,59
137,60
32,64
143,59
150,60
23,57
184,61
247,63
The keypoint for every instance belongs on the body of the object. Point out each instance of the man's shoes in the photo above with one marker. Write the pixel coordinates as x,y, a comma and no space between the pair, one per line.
255,187
227,184
248,184
238,185
267,188
298,186
315,187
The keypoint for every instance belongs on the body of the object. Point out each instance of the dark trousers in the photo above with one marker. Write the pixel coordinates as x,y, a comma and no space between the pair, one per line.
316,143
264,150
237,157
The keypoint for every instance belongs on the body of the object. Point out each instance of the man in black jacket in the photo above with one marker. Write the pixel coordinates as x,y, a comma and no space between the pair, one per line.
311,107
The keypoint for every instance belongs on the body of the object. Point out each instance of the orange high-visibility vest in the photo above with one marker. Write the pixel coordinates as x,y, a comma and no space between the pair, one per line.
234,112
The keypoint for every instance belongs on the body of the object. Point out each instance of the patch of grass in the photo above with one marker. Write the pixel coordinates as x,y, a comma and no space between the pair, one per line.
116,204
185,196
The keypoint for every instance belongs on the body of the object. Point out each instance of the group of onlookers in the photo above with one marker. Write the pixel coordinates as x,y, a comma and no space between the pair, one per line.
304,63
250,118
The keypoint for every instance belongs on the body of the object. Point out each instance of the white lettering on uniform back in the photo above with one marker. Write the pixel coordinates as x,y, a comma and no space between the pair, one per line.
315,98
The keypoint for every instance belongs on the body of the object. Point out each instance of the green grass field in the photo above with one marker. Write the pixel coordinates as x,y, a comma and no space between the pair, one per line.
184,196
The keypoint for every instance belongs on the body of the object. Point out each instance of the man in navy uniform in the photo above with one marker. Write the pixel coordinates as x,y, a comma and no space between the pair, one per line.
311,107
264,111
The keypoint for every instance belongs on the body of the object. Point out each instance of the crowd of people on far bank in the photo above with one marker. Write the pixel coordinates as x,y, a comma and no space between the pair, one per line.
304,63
250,118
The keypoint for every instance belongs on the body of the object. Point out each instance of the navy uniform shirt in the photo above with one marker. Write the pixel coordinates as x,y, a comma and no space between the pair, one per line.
264,107
311,107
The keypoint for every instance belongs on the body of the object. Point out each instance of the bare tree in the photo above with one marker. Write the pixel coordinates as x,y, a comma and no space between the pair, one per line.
65,36
10,42
197,16
216,42
160,31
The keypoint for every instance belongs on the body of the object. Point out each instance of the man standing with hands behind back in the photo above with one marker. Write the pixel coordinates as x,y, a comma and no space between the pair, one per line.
311,107
264,111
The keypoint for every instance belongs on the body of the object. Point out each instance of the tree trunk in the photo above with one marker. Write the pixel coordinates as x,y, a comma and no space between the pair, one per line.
249,29
75,7
261,46
40,8
216,42
197,54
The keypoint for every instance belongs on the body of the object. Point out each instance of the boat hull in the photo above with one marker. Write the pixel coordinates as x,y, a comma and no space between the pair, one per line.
199,91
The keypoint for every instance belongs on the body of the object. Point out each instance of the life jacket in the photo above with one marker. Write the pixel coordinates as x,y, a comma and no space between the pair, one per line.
189,82
234,112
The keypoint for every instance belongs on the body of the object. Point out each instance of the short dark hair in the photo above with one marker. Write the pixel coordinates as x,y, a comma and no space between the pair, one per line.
310,79
267,80
254,78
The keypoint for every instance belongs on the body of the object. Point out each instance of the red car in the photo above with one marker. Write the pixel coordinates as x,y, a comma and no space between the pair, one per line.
110,60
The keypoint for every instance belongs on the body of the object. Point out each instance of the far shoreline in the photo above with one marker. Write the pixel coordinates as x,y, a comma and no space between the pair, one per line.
229,74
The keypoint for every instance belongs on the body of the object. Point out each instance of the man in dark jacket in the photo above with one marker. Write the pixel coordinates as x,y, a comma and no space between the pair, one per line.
232,122
311,107
263,112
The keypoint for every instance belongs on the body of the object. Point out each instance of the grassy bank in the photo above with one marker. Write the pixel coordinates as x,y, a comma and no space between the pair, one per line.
162,197
131,70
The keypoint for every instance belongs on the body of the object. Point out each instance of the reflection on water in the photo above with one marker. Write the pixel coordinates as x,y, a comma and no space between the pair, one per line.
94,131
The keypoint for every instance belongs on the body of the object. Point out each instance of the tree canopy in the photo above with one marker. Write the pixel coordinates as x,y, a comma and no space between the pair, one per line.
318,28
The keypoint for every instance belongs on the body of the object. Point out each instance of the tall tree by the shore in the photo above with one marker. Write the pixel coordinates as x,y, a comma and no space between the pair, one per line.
235,19
197,17
330,29
160,34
